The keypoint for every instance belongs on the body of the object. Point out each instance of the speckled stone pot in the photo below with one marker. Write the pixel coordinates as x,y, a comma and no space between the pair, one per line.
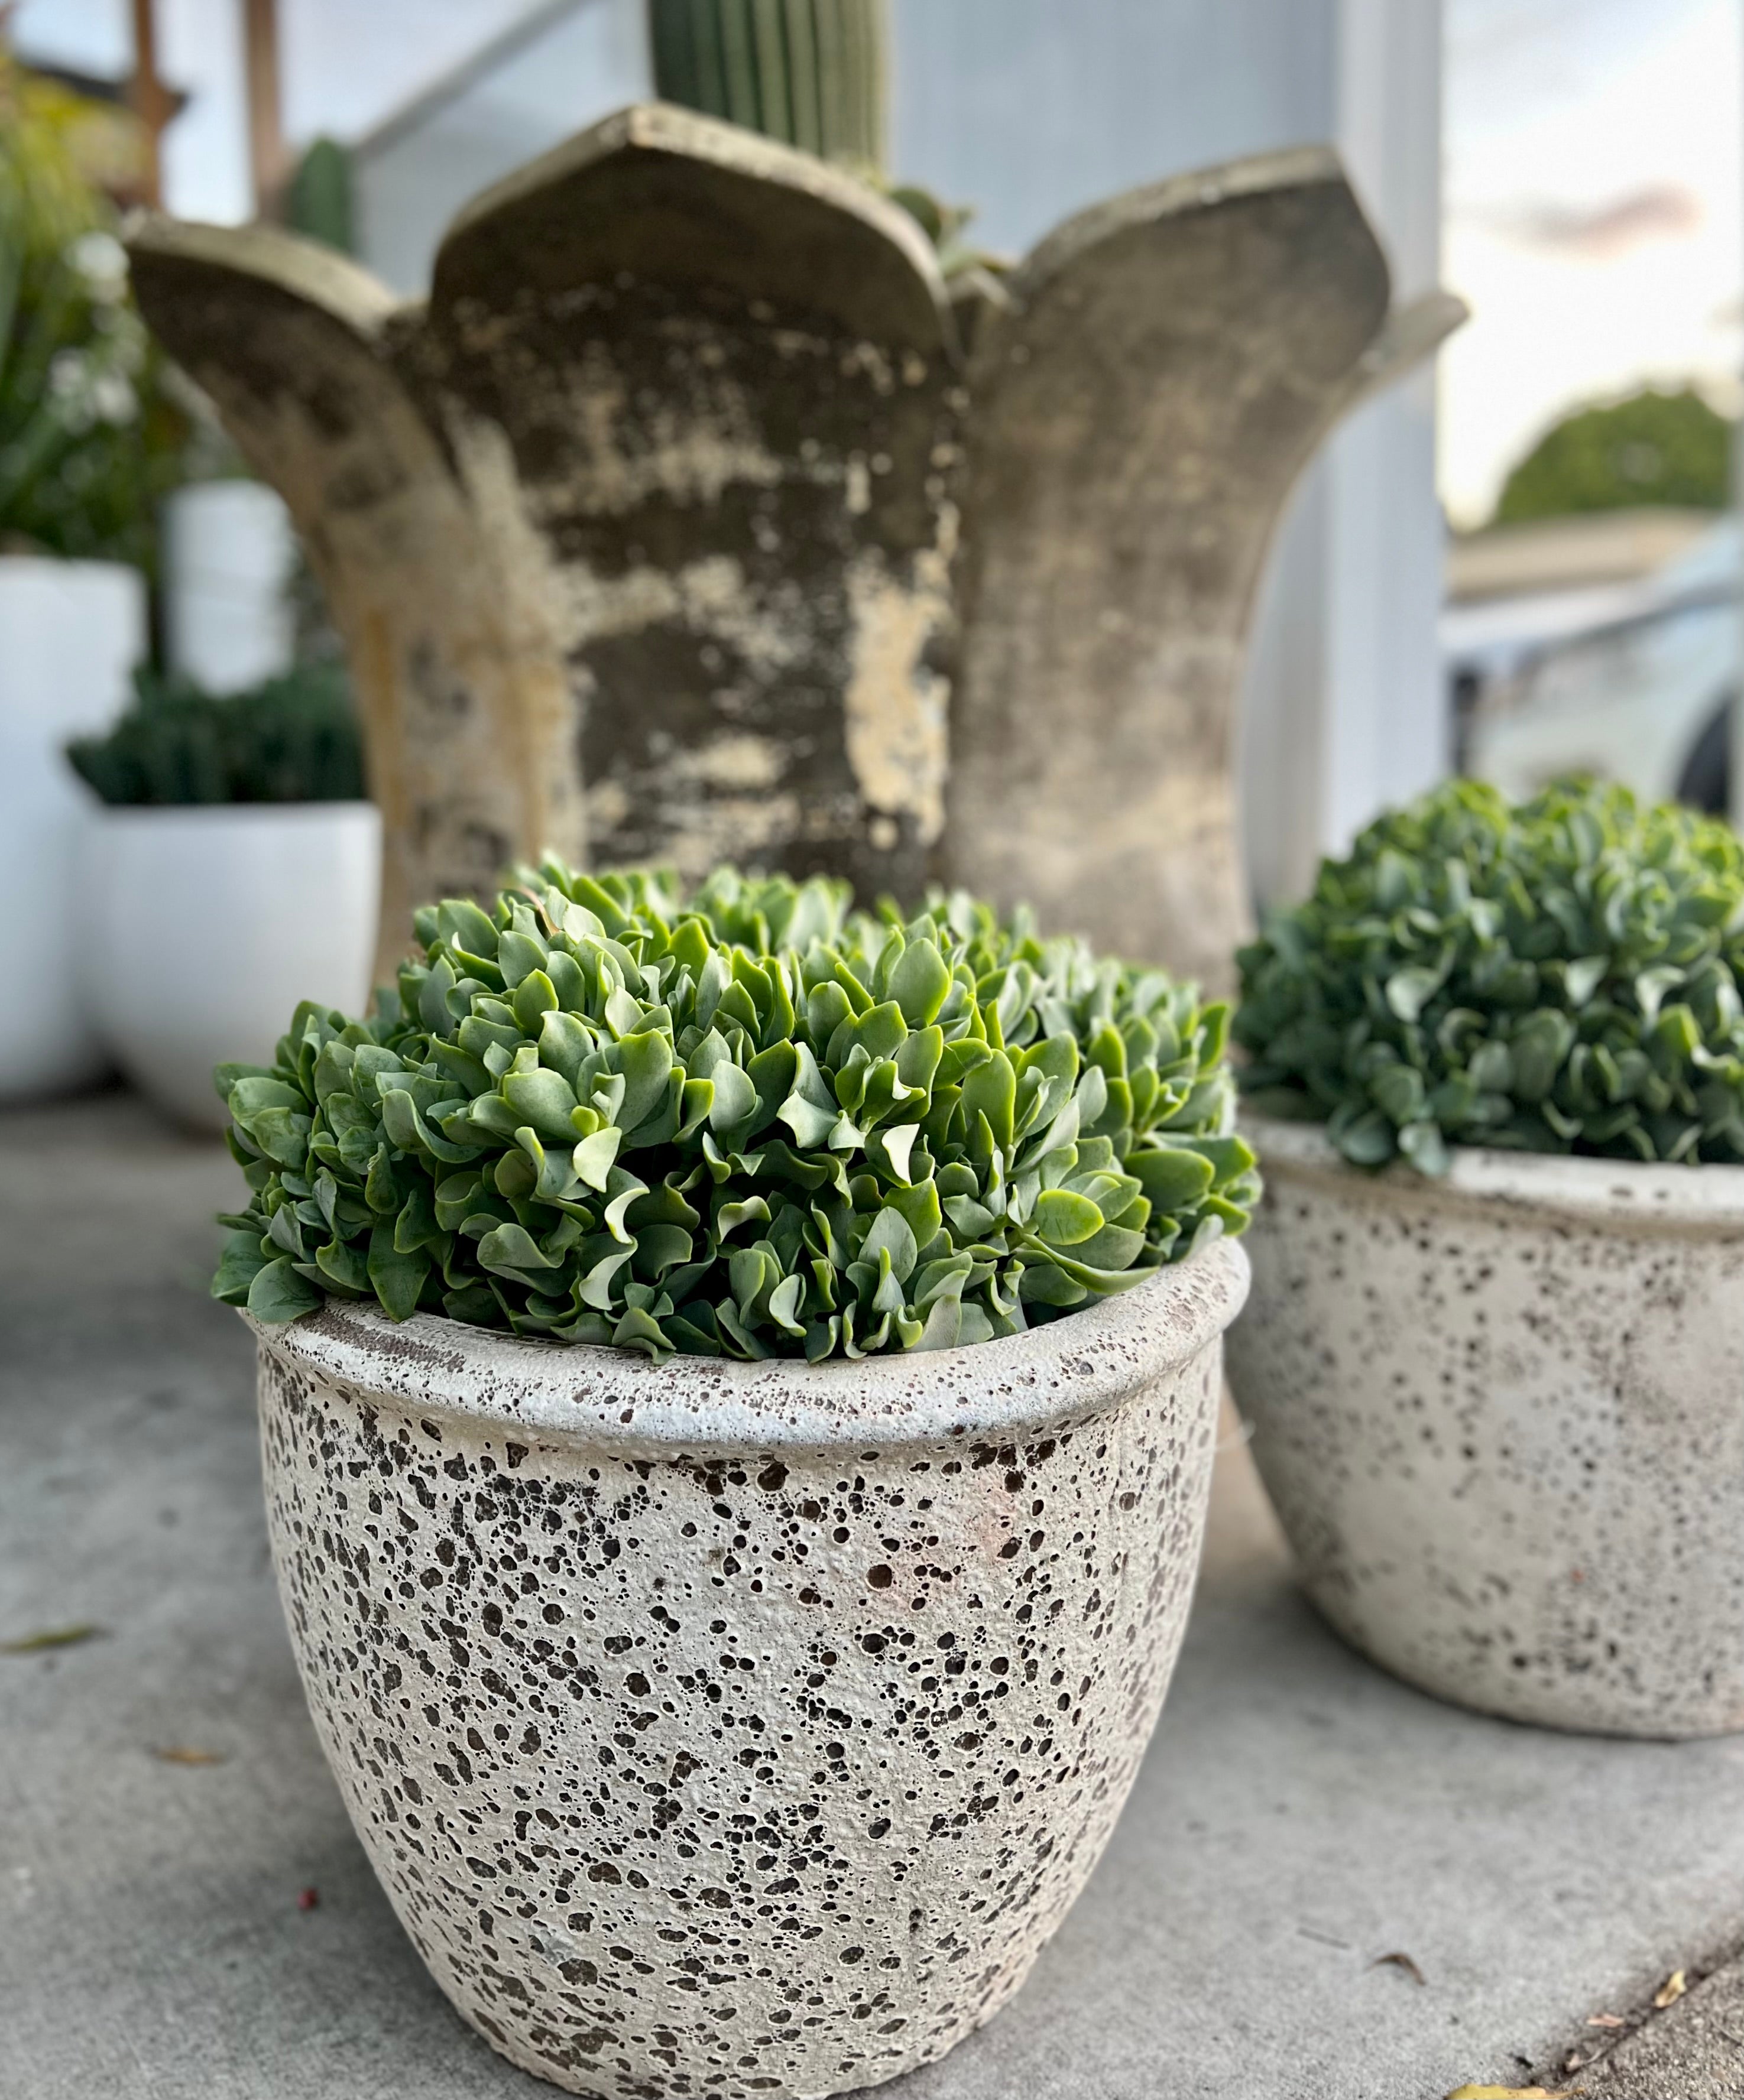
728,1729
1501,1417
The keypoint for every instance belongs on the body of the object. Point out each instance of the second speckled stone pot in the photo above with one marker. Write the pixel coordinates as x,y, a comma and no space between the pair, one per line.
736,1729
1501,1417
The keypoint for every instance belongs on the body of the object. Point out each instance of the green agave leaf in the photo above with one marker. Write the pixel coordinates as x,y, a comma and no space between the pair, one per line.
1063,1218
241,1263
1171,1176
278,1293
397,1279
345,1268
919,983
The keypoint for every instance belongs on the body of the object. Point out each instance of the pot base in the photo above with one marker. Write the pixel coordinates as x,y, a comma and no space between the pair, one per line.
744,1765
1501,1418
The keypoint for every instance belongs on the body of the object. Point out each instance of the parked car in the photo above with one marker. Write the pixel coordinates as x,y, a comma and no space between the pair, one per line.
1642,693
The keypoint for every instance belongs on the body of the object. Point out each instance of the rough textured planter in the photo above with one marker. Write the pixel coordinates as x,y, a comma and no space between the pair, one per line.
695,517
206,925
1501,1419
738,1728
70,632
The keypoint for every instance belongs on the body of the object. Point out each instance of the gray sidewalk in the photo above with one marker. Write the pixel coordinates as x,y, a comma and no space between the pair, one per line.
1299,1816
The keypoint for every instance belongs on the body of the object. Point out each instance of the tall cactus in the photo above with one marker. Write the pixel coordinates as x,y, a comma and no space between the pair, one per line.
809,73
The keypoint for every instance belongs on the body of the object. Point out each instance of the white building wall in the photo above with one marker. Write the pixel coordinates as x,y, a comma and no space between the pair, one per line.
567,64
1346,709
1031,109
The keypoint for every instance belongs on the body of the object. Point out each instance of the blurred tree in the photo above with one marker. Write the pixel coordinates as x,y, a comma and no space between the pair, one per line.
1653,447
90,436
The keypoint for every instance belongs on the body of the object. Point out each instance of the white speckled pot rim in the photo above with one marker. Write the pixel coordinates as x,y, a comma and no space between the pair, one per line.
1621,1195
1014,1386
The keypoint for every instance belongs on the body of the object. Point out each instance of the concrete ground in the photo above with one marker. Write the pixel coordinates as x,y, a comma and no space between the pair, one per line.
184,1912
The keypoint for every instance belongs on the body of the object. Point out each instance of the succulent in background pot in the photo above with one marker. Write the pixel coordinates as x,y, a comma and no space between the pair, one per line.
717,1719
1495,1358
233,864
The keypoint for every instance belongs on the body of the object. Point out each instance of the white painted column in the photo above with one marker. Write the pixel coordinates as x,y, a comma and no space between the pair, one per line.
1346,711
1030,110
228,552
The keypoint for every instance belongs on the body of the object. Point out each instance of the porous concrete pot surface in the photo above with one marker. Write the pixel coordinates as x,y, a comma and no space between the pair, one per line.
738,1729
1501,1417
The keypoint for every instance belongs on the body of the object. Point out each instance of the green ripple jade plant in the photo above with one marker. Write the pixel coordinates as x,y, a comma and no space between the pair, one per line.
752,1123
1560,976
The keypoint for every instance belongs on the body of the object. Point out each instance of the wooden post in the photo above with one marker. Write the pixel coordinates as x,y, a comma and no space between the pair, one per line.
151,100
267,160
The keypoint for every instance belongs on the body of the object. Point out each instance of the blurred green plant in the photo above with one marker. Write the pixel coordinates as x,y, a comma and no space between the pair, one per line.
91,437
1561,976
809,73
293,739
749,1124
318,199
945,225
1653,448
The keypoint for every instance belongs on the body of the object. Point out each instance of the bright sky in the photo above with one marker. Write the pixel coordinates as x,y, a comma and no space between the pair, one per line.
1594,187
1593,215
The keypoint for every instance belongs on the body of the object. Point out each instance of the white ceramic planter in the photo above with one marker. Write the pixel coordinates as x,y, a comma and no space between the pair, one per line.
228,553
70,634
733,1728
1501,1418
206,925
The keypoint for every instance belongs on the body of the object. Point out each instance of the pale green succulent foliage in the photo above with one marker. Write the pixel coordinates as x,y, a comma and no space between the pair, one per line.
749,1124
1560,976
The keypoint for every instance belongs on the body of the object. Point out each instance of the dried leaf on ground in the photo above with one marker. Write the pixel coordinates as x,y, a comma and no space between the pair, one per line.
1671,1990
1508,2093
184,1753
1606,2020
48,1637
1400,1962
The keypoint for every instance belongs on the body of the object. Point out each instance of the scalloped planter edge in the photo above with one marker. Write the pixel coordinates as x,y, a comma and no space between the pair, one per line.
739,1728
1501,1418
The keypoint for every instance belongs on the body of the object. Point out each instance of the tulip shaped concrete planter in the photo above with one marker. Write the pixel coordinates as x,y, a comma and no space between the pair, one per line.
739,1728
1501,1417
694,516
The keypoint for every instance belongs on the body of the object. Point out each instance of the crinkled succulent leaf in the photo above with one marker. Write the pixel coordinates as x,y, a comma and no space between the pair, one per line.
748,1123
1561,976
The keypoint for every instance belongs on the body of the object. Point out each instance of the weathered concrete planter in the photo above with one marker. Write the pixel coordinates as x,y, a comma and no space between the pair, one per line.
1501,1419
736,1728
695,517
